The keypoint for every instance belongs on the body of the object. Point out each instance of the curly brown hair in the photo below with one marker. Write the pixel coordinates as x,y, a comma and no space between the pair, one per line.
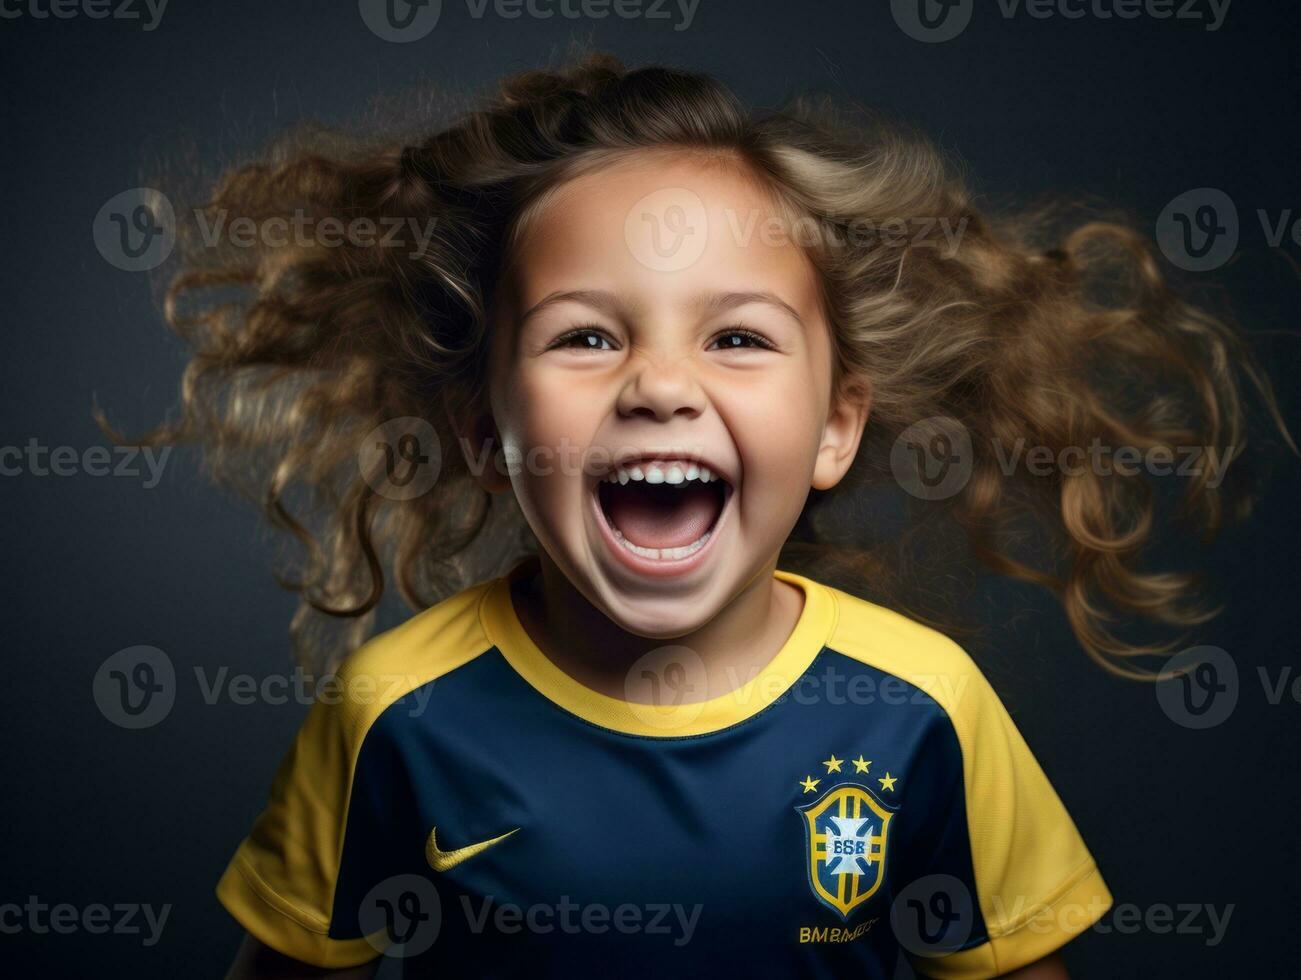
1037,330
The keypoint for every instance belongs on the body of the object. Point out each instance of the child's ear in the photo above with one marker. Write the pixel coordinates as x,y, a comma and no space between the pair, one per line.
479,442
842,434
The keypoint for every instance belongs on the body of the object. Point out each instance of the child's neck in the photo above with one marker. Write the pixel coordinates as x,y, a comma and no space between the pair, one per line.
583,642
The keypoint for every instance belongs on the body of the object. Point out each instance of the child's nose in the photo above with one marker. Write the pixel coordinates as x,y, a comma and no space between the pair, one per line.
661,388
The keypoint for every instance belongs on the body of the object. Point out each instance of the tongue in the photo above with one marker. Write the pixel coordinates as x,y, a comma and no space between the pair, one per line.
660,515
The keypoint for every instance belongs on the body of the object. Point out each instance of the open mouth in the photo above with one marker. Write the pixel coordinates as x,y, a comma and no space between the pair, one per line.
662,510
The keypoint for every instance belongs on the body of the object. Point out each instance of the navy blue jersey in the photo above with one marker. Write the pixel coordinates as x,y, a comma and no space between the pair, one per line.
463,803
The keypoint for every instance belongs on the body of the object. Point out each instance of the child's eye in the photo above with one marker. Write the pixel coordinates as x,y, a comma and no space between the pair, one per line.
583,338
739,338
591,338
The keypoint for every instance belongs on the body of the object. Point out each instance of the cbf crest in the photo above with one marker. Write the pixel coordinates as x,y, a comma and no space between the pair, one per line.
847,835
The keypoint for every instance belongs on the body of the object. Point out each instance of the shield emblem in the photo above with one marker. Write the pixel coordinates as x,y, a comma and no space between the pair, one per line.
846,830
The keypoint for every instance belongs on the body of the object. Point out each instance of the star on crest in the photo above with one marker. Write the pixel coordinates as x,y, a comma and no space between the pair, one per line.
810,784
833,764
861,764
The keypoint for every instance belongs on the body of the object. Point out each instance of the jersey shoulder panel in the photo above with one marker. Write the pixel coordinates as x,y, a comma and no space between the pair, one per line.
1036,885
429,645
900,646
281,882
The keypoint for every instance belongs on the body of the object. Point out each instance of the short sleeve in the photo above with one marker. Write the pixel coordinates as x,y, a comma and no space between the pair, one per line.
1028,882
282,880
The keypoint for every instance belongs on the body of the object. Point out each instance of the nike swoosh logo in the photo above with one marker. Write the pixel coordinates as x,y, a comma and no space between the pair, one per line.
447,860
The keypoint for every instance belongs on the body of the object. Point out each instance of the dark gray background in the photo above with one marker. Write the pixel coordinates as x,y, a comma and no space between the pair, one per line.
1134,112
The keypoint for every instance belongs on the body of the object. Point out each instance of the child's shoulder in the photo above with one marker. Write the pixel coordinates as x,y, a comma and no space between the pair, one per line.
434,641
399,662
886,638
911,651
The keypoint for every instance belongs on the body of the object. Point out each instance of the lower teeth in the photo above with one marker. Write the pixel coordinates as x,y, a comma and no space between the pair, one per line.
662,554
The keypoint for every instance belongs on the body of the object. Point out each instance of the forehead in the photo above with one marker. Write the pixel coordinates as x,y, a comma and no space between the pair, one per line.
660,227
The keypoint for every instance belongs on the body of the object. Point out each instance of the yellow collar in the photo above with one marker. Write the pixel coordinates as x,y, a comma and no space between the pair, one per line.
507,634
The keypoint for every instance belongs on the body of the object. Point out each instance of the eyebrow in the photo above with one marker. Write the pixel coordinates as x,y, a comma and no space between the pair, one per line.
709,304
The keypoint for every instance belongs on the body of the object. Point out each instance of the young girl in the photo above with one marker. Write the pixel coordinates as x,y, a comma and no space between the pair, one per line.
625,736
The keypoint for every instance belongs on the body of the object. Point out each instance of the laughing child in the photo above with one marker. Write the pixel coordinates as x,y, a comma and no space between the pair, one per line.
649,356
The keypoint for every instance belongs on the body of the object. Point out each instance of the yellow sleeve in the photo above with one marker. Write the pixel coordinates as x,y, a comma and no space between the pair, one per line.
292,882
280,884
1036,886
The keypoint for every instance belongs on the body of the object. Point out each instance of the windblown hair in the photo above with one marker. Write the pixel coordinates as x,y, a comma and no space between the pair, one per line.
1037,331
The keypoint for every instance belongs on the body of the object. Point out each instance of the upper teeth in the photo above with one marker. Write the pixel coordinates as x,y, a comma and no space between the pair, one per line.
660,472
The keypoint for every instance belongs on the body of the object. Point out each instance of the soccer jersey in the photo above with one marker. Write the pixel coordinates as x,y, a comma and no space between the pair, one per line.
461,802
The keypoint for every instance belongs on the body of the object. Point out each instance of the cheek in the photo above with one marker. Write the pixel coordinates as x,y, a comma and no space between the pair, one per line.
561,414
777,429
548,427
545,409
